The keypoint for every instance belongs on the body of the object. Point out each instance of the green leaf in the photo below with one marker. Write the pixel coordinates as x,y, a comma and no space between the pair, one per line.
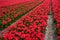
0,22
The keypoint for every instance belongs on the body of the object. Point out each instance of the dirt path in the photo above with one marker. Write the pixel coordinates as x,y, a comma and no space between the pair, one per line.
50,29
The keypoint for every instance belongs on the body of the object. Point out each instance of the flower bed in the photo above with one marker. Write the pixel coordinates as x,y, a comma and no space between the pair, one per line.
56,11
9,14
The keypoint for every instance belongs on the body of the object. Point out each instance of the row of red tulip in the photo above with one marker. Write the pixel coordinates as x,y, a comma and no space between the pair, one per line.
56,11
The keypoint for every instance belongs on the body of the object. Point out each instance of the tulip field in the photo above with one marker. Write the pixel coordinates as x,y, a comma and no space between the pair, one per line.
10,14
28,20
